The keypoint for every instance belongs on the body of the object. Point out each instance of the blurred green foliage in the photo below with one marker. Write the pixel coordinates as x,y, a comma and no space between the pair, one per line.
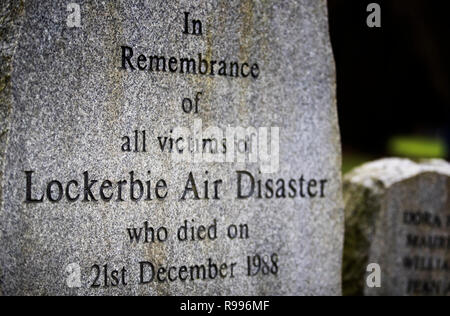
416,147
353,160
413,147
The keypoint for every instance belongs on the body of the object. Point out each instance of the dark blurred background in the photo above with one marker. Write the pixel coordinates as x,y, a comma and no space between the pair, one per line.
393,82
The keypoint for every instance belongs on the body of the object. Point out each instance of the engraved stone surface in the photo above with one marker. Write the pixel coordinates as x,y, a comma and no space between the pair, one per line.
398,216
107,112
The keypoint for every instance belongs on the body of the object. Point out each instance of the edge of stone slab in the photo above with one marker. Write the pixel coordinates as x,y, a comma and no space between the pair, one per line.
323,6
10,13
389,171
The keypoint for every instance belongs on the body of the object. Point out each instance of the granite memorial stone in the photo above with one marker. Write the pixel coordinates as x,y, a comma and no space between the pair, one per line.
168,147
398,217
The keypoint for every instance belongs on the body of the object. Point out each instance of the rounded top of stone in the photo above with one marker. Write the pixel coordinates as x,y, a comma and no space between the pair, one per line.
389,171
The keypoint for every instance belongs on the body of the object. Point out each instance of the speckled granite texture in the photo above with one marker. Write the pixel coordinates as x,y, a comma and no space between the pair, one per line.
70,104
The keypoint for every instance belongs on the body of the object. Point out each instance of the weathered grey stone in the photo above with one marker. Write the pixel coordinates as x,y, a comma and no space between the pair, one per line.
70,103
397,215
